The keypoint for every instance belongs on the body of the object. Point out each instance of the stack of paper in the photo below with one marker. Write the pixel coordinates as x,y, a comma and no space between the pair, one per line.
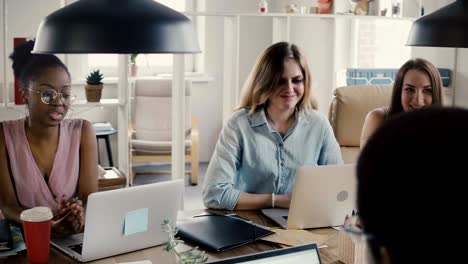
103,126
18,243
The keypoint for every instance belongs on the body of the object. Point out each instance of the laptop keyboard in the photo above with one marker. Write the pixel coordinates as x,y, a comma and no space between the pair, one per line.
77,248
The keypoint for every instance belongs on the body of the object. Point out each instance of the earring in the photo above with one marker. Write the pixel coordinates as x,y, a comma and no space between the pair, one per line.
26,110
70,113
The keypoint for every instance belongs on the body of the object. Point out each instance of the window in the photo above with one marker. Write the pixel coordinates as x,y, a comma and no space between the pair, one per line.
376,43
148,64
381,43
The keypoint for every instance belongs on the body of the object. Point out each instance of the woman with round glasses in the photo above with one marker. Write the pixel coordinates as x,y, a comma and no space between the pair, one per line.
46,160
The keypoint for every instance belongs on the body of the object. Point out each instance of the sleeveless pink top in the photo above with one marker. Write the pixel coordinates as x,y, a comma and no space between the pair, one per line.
31,187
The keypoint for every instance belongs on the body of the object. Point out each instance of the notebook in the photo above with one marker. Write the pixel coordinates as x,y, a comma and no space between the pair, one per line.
294,255
322,197
220,232
124,220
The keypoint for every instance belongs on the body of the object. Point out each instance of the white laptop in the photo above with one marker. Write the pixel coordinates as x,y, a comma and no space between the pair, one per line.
322,197
124,220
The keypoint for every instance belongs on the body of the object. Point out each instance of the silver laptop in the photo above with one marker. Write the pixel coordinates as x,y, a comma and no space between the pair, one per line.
124,220
322,197
294,255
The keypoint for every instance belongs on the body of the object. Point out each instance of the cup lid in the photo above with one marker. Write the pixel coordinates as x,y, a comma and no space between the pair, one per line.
36,214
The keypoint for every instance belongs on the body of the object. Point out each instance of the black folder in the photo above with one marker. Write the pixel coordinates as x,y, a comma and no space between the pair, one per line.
219,232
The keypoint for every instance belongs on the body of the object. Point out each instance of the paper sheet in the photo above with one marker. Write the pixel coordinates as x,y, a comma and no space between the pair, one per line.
137,262
295,237
18,242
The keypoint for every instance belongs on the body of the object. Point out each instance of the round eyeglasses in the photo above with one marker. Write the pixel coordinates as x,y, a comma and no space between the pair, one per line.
49,96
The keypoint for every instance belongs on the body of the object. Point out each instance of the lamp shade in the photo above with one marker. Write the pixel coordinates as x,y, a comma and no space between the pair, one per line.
445,27
116,26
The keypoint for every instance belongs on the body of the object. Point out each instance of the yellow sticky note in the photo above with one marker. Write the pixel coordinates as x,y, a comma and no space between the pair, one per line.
136,221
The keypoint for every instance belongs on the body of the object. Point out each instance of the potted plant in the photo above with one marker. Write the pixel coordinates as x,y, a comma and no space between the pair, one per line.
94,86
133,66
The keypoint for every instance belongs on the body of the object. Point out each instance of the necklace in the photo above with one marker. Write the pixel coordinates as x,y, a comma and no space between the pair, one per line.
281,127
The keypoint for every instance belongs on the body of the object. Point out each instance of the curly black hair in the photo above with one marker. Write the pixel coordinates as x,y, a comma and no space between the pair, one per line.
28,66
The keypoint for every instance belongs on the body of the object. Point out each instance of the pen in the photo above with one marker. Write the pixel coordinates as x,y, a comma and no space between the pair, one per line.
358,223
71,200
63,217
67,203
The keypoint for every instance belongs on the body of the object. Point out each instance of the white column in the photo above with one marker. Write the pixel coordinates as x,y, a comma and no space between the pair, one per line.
231,65
5,53
281,29
123,117
178,118
454,77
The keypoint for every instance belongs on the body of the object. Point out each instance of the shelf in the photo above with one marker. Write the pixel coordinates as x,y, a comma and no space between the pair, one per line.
76,104
324,16
103,102
194,77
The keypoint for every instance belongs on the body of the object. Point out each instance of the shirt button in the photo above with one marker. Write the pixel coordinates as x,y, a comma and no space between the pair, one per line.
281,144
282,163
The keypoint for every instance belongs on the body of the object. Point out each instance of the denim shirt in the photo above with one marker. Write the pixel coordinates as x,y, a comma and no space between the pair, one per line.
252,157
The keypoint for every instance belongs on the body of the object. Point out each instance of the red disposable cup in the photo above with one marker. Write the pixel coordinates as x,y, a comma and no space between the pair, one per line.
36,226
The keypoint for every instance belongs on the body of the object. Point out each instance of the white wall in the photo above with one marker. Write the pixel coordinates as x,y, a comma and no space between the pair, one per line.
23,22
317,42
447,58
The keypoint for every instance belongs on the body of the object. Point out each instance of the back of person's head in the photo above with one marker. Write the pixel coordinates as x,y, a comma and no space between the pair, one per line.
423,66
268,71
410,177
28,66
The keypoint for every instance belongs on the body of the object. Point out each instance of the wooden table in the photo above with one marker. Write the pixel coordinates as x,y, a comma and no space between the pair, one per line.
158,255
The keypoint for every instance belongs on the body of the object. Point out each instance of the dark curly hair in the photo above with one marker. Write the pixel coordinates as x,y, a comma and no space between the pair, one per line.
28,66
410,183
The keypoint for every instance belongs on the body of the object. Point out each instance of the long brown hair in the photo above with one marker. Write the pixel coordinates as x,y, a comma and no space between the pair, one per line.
266,74
420,65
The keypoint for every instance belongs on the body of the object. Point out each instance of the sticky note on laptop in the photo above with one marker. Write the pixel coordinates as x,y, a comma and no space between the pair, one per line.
136,221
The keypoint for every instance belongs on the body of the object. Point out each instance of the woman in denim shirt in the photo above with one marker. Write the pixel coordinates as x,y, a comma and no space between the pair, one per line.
276,129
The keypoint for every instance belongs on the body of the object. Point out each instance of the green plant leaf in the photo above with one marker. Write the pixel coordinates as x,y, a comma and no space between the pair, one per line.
190,256
94,78
133,57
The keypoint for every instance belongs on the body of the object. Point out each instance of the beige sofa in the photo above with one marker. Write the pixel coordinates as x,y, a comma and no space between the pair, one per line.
348,110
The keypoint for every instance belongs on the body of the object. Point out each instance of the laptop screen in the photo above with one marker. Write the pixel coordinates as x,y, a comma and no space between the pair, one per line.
301,254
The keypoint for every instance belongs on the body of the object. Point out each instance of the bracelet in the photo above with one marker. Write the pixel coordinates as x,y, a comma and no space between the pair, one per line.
272,200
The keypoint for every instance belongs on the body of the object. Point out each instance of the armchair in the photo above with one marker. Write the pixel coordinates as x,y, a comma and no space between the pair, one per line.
151,124
348,110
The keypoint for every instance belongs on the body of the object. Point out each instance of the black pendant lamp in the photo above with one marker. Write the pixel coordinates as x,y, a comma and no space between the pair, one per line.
445,27
116,26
